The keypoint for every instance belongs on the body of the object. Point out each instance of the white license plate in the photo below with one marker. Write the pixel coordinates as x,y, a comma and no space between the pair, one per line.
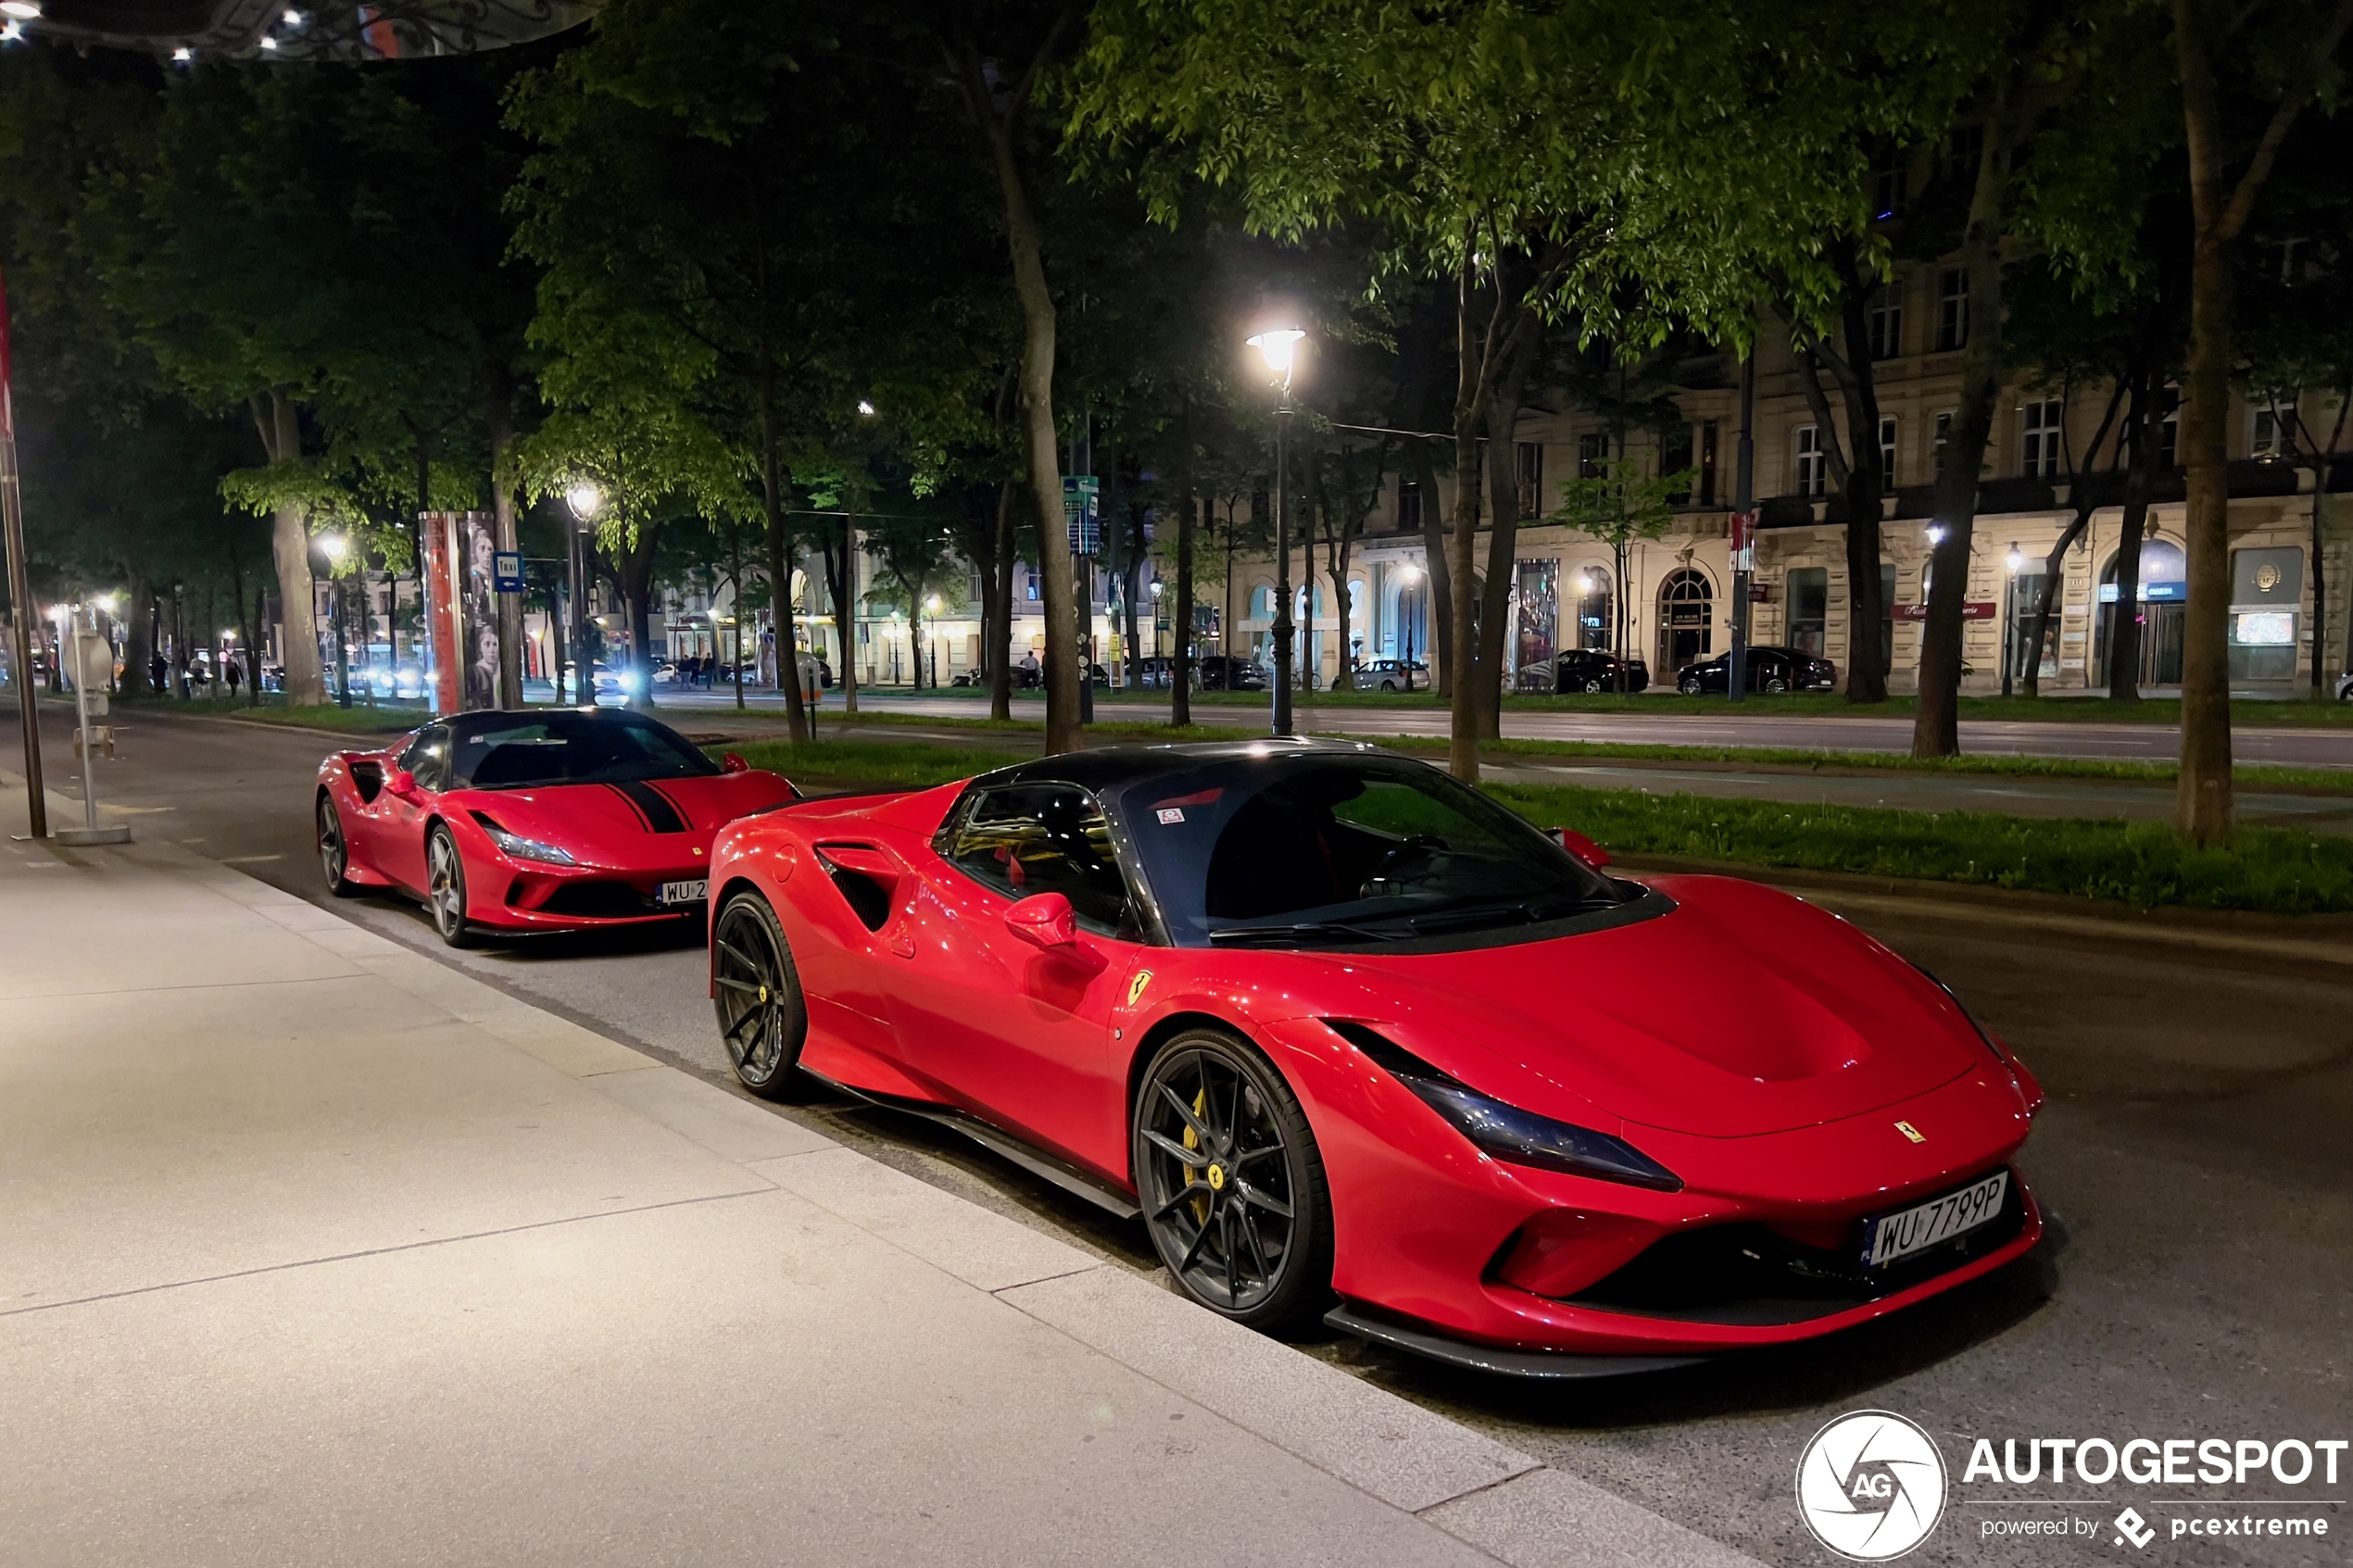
693,892
1887,1238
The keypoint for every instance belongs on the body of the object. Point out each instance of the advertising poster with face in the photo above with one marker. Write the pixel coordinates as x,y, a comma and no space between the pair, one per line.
479,624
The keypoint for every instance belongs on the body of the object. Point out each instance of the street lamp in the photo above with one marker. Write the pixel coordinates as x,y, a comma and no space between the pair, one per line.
585,498
1280,347
2010,617
1408,576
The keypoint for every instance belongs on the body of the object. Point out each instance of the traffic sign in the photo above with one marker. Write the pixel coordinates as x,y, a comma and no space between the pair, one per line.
506,568
1082,513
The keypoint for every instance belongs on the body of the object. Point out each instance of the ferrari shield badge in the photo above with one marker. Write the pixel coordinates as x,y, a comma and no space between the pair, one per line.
1136,986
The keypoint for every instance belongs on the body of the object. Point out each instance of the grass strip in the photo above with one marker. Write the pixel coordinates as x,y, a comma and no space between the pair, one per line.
2277,871
384,718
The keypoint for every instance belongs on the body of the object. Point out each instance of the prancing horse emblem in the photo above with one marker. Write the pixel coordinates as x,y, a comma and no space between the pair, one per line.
1136,986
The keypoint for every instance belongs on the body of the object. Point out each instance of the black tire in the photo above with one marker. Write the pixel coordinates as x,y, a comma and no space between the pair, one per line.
756,994
1592,682
1212,1227
334,849
1689,688
1776,685
446,886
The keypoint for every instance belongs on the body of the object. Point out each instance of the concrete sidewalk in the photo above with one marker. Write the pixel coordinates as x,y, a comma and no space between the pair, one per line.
317,1251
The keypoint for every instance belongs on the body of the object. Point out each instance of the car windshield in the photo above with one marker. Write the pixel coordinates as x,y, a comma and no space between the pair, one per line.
509,751
1342,851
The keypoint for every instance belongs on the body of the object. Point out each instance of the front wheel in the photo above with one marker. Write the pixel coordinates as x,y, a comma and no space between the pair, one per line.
756,992
1776,685
1691,689
1231,1185
445,887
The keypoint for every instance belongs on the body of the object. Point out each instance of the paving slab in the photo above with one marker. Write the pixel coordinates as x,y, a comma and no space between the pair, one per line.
1397,1451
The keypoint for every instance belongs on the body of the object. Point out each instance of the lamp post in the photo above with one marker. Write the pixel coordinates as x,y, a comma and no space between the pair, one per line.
1280,346
1408,575
2010,617
585,498
20,591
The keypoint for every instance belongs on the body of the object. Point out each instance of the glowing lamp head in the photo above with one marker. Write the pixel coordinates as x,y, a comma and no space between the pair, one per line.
1935,535
2014,560
20,10
585,499
334,547
1409,575
1280,346
931,605
105,602
866,408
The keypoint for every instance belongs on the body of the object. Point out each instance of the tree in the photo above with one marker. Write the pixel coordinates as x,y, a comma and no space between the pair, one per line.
1619,506
2220,203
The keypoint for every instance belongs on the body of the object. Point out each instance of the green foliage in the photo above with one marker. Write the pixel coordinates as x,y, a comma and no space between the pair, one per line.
1621,503
2145,864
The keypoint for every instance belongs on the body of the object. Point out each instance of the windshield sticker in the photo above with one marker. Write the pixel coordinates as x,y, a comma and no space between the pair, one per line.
1169,815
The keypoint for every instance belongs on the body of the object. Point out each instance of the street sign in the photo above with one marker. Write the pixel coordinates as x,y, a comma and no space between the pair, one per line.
1082,513
507,568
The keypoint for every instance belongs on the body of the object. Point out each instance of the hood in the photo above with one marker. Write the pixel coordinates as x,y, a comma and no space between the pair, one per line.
673,810
1742,1011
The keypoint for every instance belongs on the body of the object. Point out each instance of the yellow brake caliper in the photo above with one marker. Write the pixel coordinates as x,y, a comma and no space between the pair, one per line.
1192,1140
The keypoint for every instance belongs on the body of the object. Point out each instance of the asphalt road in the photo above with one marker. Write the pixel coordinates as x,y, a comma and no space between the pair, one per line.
2192,1157
2146,742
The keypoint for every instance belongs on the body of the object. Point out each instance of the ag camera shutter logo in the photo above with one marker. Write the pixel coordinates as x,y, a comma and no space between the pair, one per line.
1870,1486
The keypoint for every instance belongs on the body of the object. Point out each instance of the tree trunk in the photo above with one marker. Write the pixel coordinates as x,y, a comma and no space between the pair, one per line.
1001,577
634,570
1866,656
2202,803
840,572
1064,658
275,417
1462,753
138,639
1936,720
1441,641
2124,620
773,480
1180,665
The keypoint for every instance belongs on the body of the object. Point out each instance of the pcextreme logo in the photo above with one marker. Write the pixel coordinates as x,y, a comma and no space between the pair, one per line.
1870,1486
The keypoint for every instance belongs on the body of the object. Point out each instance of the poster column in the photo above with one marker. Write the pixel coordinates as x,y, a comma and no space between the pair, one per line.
443,612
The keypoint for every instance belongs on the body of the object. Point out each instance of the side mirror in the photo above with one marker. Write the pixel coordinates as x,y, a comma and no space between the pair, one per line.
1580,846
734,763
401,782
1043,920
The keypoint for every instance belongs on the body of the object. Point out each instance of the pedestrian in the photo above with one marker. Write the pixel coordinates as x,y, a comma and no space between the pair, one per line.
232,674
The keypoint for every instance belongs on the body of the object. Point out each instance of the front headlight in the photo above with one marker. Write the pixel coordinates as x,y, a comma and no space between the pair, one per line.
523,848
1516,1137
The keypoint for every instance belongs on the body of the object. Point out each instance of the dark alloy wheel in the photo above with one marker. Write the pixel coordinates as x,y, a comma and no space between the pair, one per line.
1690,686
1776,685
445,887
1592,682
756,993
334,851
1231,1185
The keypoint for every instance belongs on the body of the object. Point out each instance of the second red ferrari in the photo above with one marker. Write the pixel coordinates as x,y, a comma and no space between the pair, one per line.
543,819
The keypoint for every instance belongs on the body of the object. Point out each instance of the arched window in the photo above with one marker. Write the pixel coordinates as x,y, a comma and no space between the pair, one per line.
1686,618
2160,594
1262,603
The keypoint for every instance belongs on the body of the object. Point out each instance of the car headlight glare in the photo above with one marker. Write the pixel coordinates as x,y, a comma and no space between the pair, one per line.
523,848
1509,1133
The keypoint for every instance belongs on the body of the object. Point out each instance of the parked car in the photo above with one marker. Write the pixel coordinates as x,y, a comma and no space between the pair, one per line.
1594,670
1149,970
1222,674
1392,675
1157,672
2345,687
552,820
1767,669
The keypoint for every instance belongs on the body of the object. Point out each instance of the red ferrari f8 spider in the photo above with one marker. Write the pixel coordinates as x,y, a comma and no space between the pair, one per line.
545,819
1355,1039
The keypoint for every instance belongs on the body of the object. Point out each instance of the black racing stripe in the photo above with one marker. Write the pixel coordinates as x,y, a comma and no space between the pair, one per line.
654,805
686,812
635,809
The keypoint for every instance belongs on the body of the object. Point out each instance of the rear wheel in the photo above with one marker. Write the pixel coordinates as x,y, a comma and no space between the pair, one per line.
1232,1186
446,886
756,993
1592,682
1776,685
334,851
